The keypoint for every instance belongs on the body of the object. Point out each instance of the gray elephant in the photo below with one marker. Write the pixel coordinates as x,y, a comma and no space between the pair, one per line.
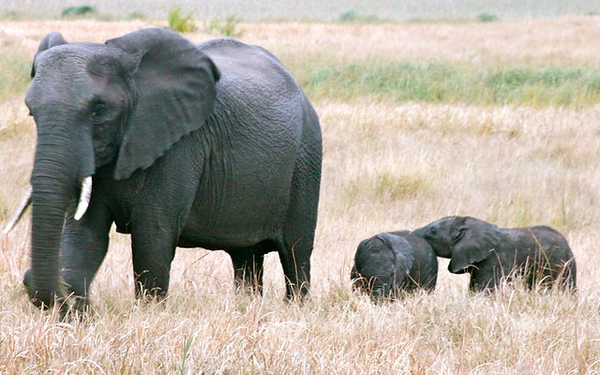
390,263
540,254
211,146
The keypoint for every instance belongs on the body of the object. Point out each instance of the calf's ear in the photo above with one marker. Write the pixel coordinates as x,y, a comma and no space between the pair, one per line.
477,241
403,252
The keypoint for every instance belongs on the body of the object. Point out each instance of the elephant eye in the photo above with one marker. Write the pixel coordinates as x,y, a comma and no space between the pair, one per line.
459,235
98,108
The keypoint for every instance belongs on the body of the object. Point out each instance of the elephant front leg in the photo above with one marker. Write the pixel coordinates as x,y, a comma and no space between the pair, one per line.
248,270
484,279
151,270
153,246
84,247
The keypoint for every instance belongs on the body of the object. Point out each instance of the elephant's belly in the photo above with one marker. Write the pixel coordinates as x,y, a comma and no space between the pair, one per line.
242,221
223,242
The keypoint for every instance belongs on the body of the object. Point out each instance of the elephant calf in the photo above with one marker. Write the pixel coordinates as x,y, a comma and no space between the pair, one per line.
389,263
540,254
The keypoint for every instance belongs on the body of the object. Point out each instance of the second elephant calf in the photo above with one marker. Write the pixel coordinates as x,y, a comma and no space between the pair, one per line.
390,263
491,254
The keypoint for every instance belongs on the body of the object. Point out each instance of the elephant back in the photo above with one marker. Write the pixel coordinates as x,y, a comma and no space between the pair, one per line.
553,247
251,66
425,267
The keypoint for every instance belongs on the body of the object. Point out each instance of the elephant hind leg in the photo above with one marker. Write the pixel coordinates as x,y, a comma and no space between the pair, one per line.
301,217
298,239
298,235
540,276
296,268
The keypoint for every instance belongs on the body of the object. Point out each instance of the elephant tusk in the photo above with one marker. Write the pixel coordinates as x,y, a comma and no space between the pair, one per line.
24,204
84,199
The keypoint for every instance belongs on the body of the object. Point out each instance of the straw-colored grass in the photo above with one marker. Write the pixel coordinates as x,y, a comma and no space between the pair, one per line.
388,165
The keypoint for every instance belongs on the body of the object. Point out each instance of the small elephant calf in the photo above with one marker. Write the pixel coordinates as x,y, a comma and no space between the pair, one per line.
540,254
388,264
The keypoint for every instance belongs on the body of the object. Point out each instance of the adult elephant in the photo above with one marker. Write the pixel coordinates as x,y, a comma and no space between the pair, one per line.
211,146
490,254
391,263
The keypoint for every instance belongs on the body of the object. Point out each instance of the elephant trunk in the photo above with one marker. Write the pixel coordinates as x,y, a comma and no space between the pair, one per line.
49,207
419,232
441,249
57,172
380,289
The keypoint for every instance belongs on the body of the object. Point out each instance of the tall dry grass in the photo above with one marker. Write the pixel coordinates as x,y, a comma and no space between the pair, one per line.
387,165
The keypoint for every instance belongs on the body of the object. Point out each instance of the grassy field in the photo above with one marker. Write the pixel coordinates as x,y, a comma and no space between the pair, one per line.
311,10
498,121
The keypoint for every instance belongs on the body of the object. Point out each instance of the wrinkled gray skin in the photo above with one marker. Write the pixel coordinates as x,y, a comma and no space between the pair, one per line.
488,253
211,146
388,264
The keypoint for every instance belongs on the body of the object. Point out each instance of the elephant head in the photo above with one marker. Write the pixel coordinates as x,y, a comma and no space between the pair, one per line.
381,264
438,235
463,239
120,106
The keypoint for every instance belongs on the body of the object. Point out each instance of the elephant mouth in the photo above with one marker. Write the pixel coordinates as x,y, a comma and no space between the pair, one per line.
82,206
468,269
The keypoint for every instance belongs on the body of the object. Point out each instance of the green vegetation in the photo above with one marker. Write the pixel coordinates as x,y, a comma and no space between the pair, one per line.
12,15
136,16
353,16
389,186
186,352
179,22
487,17
16,70
445,83
228,27
386,186
79,11
523,214
545,86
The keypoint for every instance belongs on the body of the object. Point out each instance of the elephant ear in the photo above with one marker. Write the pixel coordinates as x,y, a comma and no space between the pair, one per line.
175,85
404,256
358,259
52,39
354,273
473,242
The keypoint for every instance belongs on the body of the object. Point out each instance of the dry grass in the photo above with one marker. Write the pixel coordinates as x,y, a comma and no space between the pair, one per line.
311,10
387,166
559,41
